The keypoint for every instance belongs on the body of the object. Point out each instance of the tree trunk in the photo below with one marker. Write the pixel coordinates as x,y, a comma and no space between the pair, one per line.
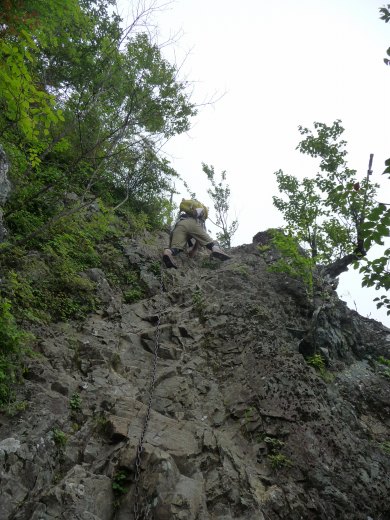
340,266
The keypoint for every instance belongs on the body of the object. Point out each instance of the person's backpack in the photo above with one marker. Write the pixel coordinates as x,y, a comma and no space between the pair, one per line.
189,206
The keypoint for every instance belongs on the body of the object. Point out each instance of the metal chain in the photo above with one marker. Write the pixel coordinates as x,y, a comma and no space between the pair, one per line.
140,446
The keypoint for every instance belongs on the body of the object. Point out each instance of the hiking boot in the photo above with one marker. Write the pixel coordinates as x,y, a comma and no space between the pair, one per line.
217,252
168,258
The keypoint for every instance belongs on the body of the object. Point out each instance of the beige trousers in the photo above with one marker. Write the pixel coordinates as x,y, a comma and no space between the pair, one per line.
189,228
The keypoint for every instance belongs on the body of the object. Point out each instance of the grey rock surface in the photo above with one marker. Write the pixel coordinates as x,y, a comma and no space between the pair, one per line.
241,426
5,188
5,185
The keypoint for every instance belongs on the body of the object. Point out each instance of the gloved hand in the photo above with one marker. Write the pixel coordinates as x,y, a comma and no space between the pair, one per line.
199,212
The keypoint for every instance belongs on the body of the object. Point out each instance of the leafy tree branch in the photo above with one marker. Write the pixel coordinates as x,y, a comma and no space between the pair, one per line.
220,195
335,215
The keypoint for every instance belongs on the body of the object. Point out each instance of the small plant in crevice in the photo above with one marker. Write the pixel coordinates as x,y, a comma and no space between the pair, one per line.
293,261
385,447
278,460
318,363
241,270
101,422
50,285
133,295
75,402
249,414
273,444
59,437
155,268
198,302
14,407
14,346
119,481
134,291
209,263
384,361
75,427
264,248
386,364
249,424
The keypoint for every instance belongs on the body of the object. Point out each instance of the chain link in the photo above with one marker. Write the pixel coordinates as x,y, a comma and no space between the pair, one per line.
140,447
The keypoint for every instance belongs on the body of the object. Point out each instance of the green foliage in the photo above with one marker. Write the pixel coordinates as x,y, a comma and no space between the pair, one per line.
302,209
335,214
384,361
241,270
197,299
220,195
118,482
28,107
13,345
75,427
50,285
383,300
14,407
59,437
318,362
135,292
155,268
385,16
385,13
327,213
385,447
248,416
273,443
376,273
293,261
84,106
278,460
101,422
75,402
167,112
209,263
198,302
133,295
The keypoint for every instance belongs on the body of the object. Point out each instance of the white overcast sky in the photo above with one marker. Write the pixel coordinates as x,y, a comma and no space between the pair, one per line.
271,66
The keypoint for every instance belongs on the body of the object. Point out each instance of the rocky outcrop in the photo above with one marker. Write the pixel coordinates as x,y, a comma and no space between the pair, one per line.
5,188
241,425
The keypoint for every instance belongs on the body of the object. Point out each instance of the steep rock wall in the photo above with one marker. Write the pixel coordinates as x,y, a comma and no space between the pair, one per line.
5,189
241,427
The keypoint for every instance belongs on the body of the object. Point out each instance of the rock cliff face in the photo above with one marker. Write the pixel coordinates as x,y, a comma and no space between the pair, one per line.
241,425
5,188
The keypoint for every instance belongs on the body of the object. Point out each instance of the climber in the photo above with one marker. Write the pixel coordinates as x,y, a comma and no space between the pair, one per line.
190,230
